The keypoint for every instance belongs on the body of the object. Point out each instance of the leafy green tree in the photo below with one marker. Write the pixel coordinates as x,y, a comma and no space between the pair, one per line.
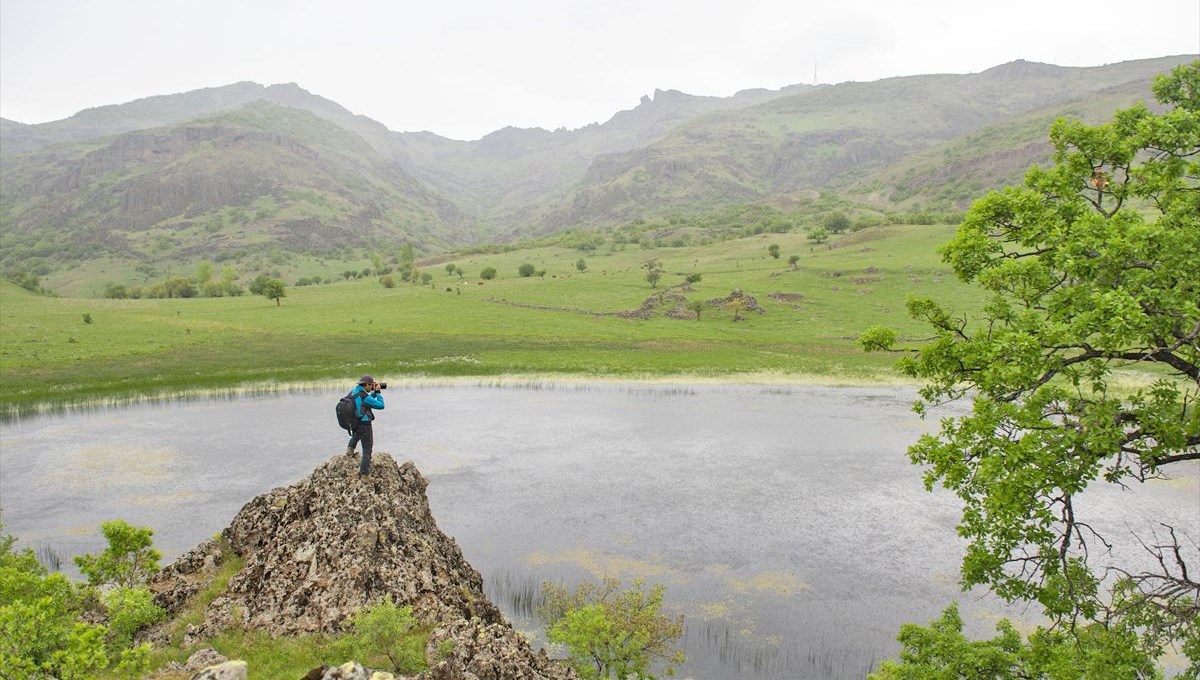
836,222
377,263
204,273
488,273
694,278
128,561
1092,270
426,277
818,235
387,281
274,289
653,272
384,628
130,610
773,250
581,264
792,260
612,633
696,306
526,270
406,262
116,291
459,270
179,287
450,268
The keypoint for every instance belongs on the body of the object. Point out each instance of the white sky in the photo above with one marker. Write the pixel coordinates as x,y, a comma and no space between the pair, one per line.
463,68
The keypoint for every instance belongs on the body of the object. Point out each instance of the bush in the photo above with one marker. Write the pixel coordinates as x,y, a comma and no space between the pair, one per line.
386,629
388,281
526,270
488,274
129,560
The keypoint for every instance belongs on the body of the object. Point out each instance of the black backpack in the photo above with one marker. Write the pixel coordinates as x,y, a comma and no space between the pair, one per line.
346,416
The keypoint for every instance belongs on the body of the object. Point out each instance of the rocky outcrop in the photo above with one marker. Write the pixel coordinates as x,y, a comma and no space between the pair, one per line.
314,553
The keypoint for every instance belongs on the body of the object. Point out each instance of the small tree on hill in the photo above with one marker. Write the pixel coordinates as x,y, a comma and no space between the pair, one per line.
653,272
773,250
581,264
387,281
450,268
836,222
818,235
526,270
792,260
488,273
696,306
274,289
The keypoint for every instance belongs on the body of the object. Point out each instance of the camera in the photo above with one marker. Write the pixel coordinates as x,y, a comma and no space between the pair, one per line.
382,385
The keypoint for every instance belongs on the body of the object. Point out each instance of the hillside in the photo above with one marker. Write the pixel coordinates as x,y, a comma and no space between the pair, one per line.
274,178
834,138
235,185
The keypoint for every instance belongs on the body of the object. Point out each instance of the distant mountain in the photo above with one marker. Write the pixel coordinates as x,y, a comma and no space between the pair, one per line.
837,137
248,180
243,170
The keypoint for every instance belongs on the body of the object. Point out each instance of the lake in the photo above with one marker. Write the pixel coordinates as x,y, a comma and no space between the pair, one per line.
784,520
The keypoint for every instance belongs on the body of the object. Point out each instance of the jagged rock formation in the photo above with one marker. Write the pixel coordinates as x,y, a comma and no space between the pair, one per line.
316,552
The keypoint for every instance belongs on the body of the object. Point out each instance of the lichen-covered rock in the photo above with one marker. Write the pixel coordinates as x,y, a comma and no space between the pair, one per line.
315,553
476,650
204,658
230,670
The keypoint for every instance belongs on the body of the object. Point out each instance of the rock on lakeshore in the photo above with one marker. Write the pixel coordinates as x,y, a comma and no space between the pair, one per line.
316,552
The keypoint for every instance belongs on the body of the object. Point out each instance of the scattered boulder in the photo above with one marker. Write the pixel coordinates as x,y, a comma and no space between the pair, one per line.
230,670
749,303
204,658
473,650
351,670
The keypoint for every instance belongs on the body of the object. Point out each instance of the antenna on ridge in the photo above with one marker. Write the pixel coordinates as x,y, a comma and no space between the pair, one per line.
814,71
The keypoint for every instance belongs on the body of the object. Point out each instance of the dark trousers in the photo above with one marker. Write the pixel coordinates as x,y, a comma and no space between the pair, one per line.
364,434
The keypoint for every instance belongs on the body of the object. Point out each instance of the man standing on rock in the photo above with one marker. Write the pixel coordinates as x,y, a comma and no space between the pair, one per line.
366,398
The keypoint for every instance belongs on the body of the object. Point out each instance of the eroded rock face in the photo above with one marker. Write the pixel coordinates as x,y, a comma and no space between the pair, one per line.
317,551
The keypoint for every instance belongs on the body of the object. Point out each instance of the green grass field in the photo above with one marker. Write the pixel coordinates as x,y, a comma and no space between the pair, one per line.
48,355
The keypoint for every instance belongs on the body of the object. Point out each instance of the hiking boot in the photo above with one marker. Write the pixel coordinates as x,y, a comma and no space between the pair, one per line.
349,450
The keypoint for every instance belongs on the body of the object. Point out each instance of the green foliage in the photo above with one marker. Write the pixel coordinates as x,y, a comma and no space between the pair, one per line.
386,629
274,289
818,235
836,222
43,623
581,264
87,318
653,272
696,306
130,610
940,651
488,273
128,561
792,260
611,633
1092,269
526,270
773,251
387,281
694,277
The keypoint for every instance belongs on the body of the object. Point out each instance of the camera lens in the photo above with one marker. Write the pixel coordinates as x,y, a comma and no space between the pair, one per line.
383,386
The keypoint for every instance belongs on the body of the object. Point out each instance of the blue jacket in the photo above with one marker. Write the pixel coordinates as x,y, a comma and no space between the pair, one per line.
364,401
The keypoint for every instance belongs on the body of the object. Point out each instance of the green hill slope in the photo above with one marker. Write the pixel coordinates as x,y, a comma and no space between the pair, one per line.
606,321
262,178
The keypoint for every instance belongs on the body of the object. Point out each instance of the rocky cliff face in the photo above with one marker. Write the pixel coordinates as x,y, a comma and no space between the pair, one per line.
316,552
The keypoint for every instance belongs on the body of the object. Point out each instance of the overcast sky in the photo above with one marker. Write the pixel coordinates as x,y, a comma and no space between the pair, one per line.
465,68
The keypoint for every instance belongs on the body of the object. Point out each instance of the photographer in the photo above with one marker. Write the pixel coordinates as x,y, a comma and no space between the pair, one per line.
366,399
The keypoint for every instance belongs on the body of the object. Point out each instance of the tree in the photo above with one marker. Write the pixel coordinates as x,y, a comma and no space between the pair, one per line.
405,261
1092,270
836,222
737,305
129,560
274,289
526,270
385,629
450,269
694,277
818,235
459,270
387,281
581,264
792,260
773,250
653,272
696,306
612,633
488,273
426,277
204,273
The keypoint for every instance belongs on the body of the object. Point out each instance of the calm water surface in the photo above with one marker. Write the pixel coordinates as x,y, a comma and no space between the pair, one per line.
786,522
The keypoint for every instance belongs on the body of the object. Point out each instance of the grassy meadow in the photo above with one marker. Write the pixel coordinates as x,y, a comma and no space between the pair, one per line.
563,323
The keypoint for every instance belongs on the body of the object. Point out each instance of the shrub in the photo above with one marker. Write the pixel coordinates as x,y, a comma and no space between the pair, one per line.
385,629
488,273
526,270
